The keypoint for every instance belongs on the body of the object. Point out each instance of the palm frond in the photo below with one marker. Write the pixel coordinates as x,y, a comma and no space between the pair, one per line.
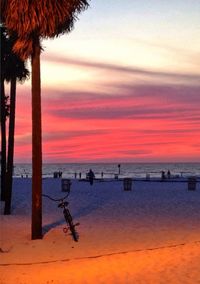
46,18
11,64
23,47
42,19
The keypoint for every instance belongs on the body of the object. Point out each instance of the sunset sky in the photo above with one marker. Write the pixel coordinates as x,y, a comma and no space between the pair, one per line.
123,86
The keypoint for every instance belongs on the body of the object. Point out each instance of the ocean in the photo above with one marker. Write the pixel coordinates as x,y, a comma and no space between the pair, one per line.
110,170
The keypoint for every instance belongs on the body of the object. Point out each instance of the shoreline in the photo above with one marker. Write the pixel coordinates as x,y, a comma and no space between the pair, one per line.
120,179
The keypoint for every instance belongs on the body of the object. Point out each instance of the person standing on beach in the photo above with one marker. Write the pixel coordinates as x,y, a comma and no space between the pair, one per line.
119,166
169,174
163,175
91,176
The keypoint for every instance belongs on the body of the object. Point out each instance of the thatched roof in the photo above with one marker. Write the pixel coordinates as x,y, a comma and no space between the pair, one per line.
39,18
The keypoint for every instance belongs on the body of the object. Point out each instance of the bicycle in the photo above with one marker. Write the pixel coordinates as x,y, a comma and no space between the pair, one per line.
67,215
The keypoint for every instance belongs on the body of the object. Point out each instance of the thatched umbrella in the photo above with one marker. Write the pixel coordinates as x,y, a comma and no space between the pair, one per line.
32,20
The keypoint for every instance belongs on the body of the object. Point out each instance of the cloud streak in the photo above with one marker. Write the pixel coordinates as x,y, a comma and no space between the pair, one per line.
134,102
81,63
130,121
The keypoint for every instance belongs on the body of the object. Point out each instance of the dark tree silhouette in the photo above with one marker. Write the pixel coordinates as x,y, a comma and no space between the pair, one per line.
32,21
4,113
14,69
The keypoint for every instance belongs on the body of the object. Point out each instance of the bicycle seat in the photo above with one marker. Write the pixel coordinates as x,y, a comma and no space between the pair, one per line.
63,204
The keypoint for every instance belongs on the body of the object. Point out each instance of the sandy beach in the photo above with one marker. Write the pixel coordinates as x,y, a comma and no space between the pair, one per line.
147,235
96,93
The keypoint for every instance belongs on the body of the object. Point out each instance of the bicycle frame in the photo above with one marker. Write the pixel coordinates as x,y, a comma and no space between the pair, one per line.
69,220
67,215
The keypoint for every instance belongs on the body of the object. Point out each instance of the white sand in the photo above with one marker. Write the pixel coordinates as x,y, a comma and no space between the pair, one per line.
148,235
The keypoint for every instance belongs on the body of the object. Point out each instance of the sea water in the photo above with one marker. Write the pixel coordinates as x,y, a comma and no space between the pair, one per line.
111,170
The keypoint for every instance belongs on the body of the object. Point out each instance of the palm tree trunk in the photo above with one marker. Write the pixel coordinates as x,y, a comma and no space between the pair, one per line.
9,173
36,146
3,142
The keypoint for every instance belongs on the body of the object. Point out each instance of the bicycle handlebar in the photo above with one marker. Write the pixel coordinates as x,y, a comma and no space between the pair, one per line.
57,200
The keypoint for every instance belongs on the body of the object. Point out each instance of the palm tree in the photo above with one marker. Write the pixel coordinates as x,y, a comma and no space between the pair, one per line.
4,114
32,21
3,141
14,70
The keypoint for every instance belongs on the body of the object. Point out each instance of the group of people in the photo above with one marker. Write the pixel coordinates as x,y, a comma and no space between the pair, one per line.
163,176
75,175
57,174
90,175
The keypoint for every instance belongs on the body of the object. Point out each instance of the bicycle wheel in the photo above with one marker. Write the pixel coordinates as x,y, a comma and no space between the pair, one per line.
69,220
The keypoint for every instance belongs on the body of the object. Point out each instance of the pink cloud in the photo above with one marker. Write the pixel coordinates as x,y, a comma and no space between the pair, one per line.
148,121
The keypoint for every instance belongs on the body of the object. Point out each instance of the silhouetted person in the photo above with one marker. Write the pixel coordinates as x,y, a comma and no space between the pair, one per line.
119,168
102,175
80,175
75,174
169,174
91,176
163,175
